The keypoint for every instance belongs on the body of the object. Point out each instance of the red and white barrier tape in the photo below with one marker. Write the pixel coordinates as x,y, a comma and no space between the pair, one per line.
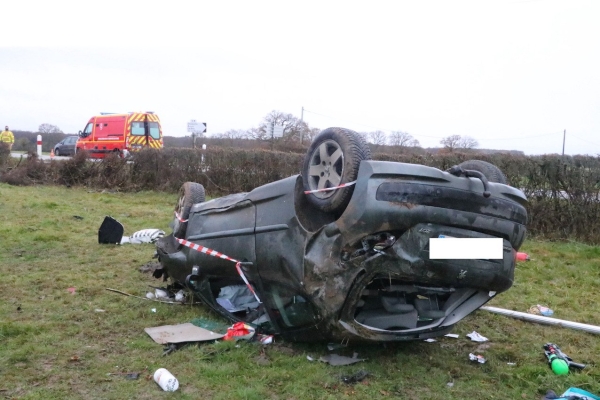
214,253
331,188
179,218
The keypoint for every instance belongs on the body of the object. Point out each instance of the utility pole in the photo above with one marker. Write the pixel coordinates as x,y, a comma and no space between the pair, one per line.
564,137
302,115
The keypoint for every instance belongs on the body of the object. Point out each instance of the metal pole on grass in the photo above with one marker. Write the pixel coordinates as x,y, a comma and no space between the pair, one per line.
543,320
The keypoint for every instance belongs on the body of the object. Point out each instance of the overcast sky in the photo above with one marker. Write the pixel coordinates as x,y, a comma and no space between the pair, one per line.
512,74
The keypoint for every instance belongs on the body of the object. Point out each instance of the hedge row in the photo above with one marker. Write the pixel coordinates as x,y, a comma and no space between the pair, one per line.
563,193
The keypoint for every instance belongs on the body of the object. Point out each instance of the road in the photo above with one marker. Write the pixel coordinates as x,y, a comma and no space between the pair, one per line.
44,157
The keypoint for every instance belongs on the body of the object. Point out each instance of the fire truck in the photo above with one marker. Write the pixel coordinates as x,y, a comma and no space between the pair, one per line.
120,133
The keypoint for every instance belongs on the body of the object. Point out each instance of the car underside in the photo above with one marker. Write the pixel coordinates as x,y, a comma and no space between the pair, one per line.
362,272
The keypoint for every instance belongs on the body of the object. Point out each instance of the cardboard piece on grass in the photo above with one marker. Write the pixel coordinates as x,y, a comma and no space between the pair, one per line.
181,333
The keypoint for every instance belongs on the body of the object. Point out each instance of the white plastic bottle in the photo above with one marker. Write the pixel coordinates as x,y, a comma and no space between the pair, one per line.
166,380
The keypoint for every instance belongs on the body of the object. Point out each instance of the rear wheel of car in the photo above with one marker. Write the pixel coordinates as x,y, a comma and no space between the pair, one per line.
189,194
332,160
491,172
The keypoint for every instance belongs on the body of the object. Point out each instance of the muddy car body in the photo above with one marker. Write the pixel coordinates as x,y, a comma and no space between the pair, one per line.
362,272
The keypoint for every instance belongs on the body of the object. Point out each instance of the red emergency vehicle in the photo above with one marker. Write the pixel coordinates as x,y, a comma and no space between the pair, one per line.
120,133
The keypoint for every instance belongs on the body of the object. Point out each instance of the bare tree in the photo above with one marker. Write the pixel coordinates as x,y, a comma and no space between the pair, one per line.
467,142
364,135
47,128
378,138
451,142
402,139
414,143
310,134
259,133
293,128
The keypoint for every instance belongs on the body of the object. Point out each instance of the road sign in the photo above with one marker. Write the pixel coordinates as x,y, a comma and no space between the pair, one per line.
196,127
278,131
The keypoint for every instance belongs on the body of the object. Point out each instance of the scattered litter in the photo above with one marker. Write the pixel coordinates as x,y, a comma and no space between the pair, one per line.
150,295
71,290
579,394
452,335
180,296
479,358
110,232
236,298
476,337
430,340
143,236
161,294
337,360
166,380
265,339
572,393
541,310
78,217
450,384
559,362
153,309
309,358
181,333
511,363
522,256
99,310
356,377
143,298
239,331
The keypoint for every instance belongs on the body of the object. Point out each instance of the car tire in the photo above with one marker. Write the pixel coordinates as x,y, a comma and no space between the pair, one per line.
57,152
491,172
333,159
189,194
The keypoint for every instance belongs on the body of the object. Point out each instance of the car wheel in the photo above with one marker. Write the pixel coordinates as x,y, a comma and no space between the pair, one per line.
491,172
333,159
189,194
57,152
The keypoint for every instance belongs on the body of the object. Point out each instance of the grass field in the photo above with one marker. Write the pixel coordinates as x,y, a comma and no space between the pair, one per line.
55,344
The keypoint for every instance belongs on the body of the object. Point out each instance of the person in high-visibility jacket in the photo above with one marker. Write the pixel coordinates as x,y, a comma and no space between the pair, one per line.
7,137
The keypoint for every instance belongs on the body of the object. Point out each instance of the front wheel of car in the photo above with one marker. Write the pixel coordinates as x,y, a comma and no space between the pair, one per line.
490,171
332,160
189,194
57,152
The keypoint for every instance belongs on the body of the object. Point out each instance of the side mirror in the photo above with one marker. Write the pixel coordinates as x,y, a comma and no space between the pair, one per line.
80,134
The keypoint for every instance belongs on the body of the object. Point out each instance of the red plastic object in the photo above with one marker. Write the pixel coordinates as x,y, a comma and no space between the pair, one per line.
238,331
522,256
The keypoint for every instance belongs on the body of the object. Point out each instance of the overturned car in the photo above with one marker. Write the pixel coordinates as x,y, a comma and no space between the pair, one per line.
341,252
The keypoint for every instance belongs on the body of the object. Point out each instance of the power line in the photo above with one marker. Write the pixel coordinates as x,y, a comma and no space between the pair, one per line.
523,137
435,137
372,127
585,140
